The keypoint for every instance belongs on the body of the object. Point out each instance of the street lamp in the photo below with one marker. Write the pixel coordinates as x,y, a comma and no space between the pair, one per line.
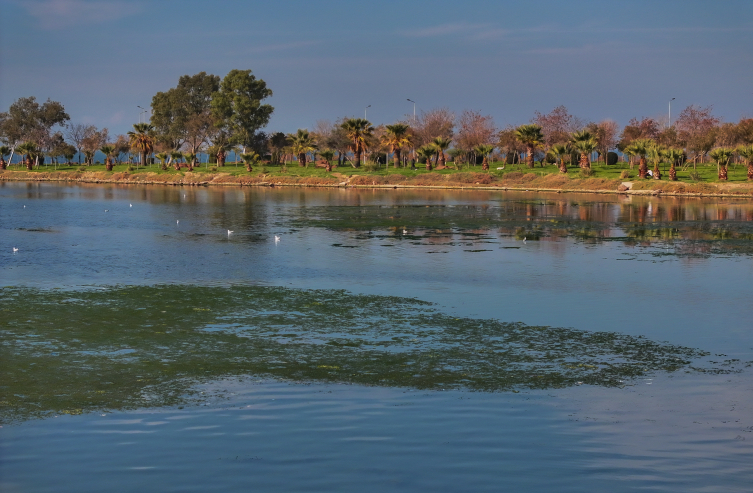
364,111
414,110
141,113
670,112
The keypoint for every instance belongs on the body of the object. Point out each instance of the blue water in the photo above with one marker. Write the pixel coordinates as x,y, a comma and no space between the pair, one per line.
676,432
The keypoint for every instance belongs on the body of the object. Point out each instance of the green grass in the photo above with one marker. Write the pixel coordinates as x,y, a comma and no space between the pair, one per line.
707,171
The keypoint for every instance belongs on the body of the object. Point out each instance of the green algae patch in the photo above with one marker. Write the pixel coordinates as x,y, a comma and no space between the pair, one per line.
70,352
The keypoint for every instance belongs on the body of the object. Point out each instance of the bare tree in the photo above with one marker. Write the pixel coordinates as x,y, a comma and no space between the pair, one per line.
697,128
474,129
76,133
605,133
434,123
93,140
557,125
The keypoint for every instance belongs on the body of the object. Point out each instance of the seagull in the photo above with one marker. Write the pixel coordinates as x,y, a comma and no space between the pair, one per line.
15,249
229,232
177,221
24,207
405,231
277,239
524,239
130,205
107,210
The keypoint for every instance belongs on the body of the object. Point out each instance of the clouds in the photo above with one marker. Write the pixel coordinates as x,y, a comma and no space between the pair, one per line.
59,14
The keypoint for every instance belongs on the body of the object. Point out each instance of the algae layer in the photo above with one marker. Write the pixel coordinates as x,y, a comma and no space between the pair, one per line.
131,347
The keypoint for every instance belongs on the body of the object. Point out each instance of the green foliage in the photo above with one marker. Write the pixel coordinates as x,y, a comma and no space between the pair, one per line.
612,158
237,106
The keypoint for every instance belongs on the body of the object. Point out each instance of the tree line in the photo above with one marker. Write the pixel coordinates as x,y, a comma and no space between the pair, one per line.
218,116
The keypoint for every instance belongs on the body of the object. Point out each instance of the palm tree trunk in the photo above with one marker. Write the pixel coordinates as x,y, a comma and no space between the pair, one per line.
642,168
485,164
529,156
302,159
563,166
440,159
723,172
584,162
29,162
672,172
657,172
750,170
396,157
2,163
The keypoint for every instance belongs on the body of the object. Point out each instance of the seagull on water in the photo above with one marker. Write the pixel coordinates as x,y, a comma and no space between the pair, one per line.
405,231
15,249
177,221
524,239
107,210
130,205
277,239
229,232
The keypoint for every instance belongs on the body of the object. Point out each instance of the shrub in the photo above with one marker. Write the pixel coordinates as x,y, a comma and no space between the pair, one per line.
213,168
371,166
129,168
612,158
586,172
82,168
695,176
625,174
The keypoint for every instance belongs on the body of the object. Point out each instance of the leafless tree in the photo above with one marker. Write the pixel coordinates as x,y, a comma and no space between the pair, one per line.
439,122
697,128
557,125
474,129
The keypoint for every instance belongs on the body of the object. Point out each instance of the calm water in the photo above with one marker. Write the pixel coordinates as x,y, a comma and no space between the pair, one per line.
675,270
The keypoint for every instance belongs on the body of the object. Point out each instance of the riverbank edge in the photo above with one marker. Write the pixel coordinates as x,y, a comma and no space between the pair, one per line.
224,179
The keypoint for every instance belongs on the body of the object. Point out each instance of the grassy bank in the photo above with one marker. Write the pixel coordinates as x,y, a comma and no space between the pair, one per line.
602,179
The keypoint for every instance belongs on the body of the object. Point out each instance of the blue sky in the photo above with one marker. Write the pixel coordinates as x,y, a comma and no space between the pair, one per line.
332,58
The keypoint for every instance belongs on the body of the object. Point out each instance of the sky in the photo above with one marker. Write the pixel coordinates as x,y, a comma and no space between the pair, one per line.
332,58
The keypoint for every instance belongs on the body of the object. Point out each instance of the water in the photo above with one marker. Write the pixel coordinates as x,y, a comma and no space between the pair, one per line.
675,270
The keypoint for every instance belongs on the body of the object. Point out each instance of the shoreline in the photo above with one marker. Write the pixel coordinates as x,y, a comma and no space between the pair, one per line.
551,183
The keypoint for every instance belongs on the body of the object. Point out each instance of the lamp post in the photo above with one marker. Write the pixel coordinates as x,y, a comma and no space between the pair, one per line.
670,112
414,110
364,111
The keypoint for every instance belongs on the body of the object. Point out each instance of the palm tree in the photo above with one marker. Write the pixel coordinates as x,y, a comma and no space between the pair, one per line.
641,148
302,143
107,150
358,130
29,151
721,155
4,151
250,158
162,157
484,150
585,149
440,145
327,155
746,152
559,151
655,154
428,151
397,136
673,155
141,138
190,158
176,156
530,135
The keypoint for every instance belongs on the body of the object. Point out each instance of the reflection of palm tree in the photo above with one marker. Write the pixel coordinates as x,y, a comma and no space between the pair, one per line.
358,131
559,151
746,152
396,137
440,145
428,152
721,155
141,138
531,136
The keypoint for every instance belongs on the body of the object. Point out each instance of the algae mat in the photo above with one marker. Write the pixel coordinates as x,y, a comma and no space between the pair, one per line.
130,347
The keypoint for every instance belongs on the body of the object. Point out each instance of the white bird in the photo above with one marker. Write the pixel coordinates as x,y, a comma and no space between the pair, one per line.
229,232
177,221
277,239
24,207
130,205
524,239
15,249
405,231
107,210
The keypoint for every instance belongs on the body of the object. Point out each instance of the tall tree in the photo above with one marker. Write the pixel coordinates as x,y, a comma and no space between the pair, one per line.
28,121
176,111
77,133
237,106
439,122
531,136
474,129
557,125
696,129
